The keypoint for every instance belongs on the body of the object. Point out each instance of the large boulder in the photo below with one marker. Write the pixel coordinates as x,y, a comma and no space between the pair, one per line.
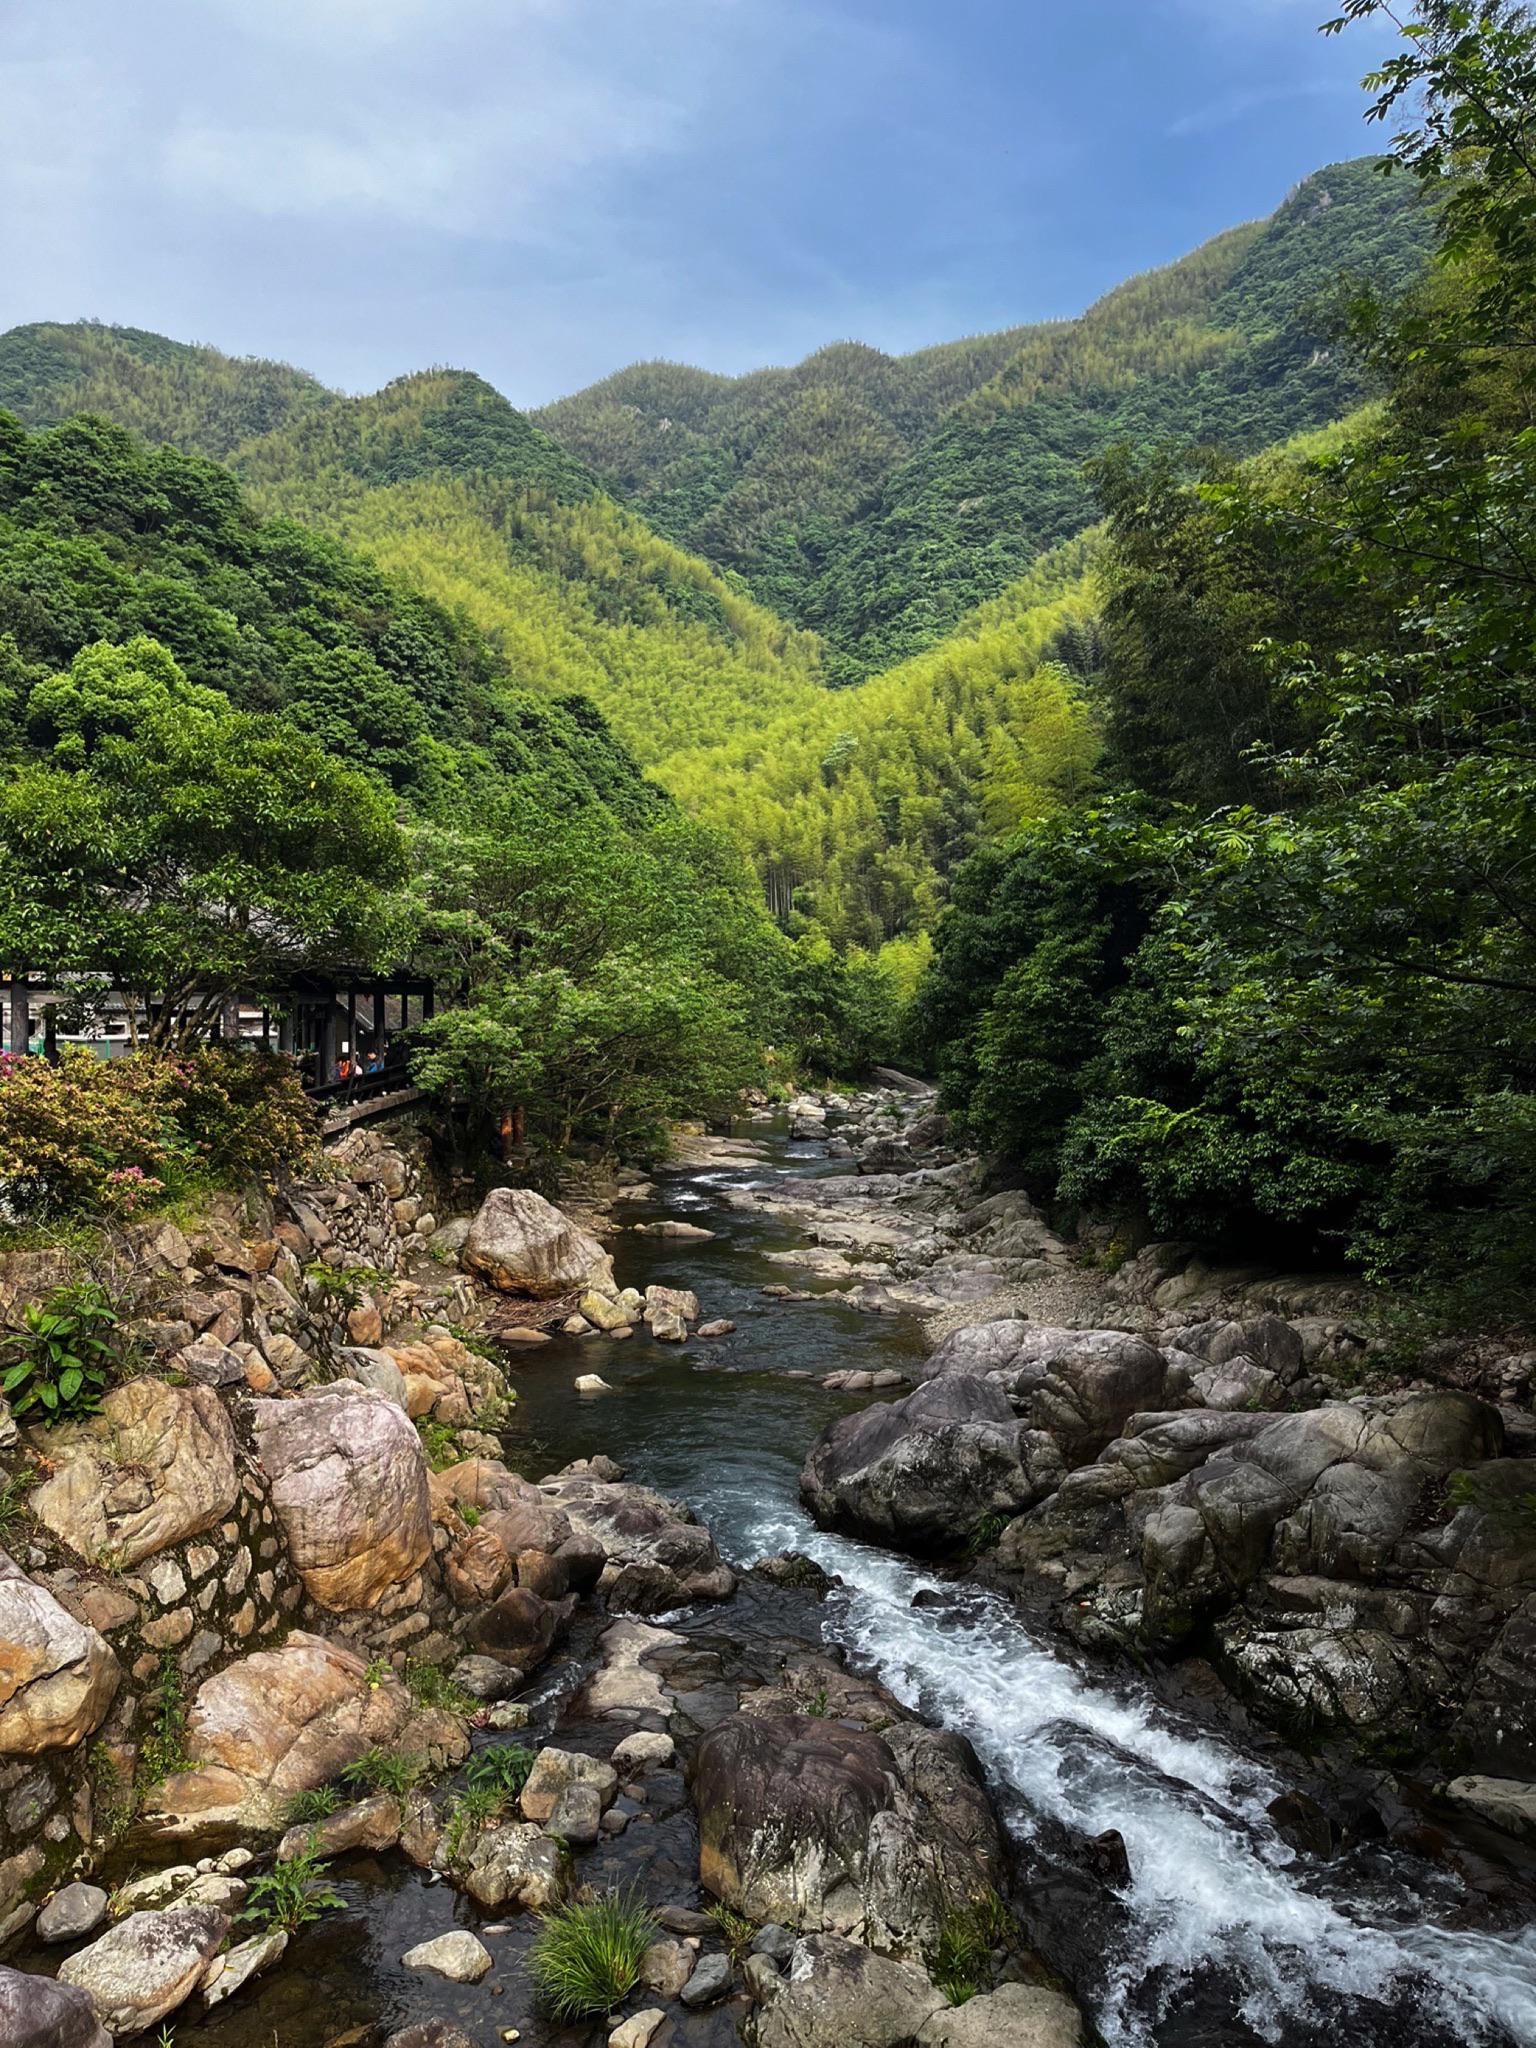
156,1466
146,1965
841,1995
57,1675
1081,1386
275,1723
812,1825
924,1471
658,1556
522,1244
348,1479
1013,2016
37,2012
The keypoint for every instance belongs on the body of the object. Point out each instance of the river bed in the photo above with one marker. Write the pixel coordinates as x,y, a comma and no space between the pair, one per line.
1224,1935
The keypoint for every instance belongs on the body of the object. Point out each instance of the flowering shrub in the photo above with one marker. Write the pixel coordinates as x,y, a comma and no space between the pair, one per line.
111,1137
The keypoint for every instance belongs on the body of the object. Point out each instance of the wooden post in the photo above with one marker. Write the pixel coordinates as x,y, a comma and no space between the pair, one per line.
51,1035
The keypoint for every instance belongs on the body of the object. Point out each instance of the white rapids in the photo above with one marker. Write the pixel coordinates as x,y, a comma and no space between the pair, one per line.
1213,1886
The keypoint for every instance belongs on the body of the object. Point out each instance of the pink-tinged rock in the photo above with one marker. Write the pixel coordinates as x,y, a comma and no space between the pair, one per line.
348,1479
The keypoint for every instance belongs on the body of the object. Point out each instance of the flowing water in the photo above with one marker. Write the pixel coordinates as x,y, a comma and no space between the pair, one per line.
1224,1934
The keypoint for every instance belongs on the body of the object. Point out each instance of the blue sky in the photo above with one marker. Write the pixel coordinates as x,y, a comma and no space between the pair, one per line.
544,190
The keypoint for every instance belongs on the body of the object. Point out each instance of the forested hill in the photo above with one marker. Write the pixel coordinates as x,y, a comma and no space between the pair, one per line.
878,500
450,487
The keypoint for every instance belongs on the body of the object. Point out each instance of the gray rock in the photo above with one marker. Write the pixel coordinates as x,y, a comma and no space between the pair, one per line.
147,1965
840,1995
458,1956
775,1942
922,1472
72,1913
521,1244
1015,2016
807,1823
36,2012
237,1966
577,1816
710,1982
1507,1803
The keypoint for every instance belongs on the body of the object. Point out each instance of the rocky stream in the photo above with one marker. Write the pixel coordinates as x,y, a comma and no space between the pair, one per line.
1144,1621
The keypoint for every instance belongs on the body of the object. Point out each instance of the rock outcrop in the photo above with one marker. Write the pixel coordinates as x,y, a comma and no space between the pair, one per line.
523,1245
155,1467
348,1480
57,1675
924,1471
823,1828
275,1723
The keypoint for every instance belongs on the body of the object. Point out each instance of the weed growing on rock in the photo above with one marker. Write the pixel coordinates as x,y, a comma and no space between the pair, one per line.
377,1771
14,1489
502,1768
318,1804
293,1893
736,1928
471,1811
587,1957
440,1443
431,1687
165,1746
986,1535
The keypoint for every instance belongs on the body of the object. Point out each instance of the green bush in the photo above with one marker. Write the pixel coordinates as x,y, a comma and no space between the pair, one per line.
60,1360
110,1138
587,1956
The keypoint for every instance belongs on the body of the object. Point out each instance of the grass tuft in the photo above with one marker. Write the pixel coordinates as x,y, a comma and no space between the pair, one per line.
587,1957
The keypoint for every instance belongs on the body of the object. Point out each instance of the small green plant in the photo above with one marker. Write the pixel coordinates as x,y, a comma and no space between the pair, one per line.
587,1956
736,1928
61,1358
430,1686
14,1489
469,1514
377,1771
344,1287
503,1768
471,1810
318,1804
440,1442
293,1893
986,1535
165,2038
958,1959
376,1673
816,1705
165,1747
473,1341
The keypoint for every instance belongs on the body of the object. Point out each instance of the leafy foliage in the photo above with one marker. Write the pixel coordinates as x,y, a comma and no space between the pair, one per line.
293,1893
501,1768
1298,1005
111,1137
60,1360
